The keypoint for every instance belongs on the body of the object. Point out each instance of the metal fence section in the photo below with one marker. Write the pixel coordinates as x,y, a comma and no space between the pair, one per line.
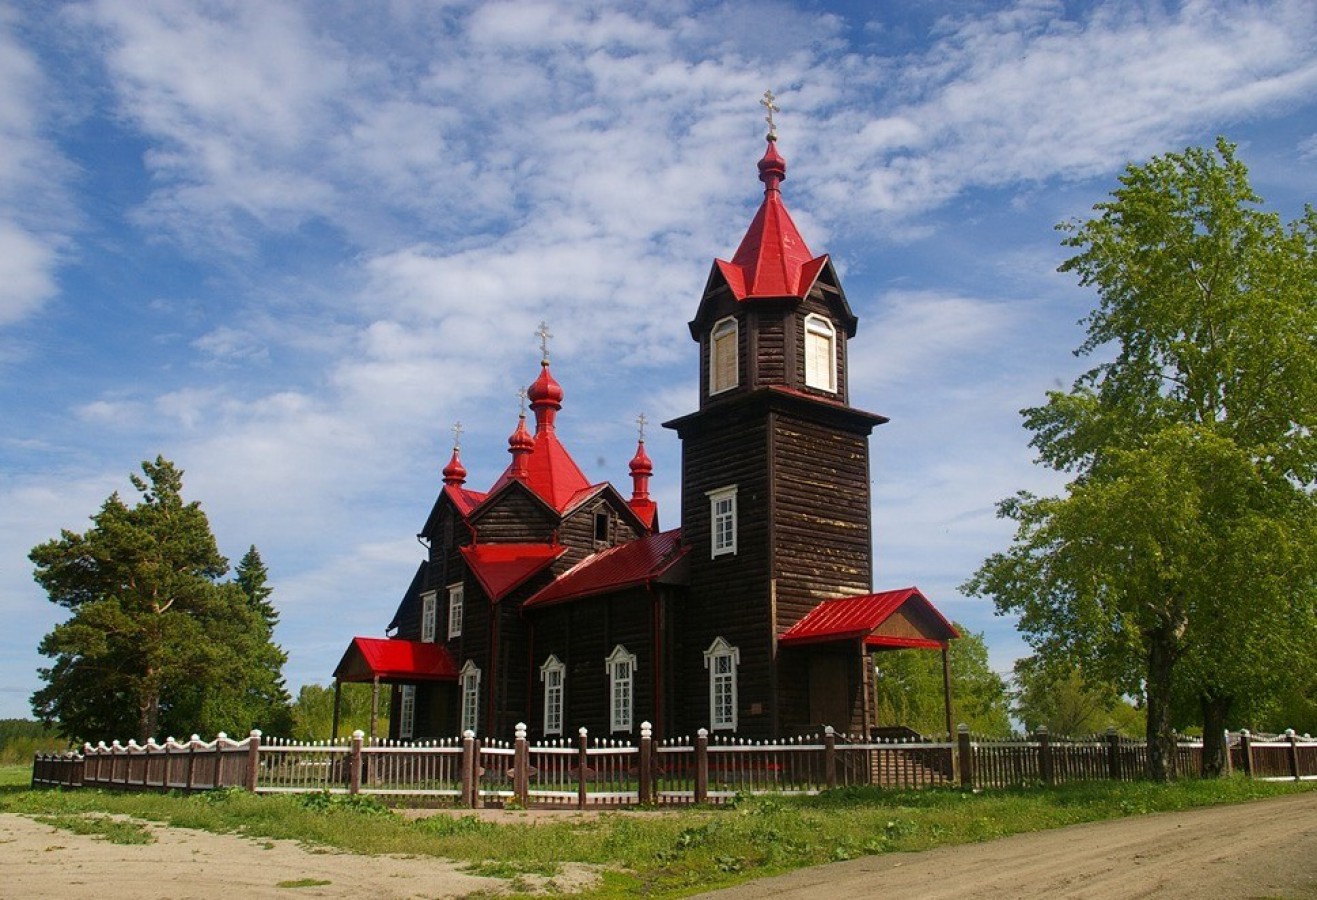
586,772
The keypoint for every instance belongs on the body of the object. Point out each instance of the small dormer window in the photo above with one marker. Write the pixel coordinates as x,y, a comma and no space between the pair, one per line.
603,528
723,362
820,353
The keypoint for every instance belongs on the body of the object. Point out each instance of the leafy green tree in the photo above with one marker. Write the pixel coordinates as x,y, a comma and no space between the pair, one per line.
313,713
1069,705
155,643
1181,557
910,688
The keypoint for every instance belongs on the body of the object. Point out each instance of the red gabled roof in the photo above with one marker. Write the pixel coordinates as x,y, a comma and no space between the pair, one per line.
773,259
463,500
395,660
853,618
502,568
623,566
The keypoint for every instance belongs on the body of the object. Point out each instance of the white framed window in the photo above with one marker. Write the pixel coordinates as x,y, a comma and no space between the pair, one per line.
553,673
407,712
470,681
429,612
456,601
724,366
621,667
722,519
722,659
820,353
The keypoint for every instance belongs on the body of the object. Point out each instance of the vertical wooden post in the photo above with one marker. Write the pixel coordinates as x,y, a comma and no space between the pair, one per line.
646,767
354,765
702,765
1113,753
1230,763
946,686
830,756
253,759
470,778
966,753
191,760
338,699
1246,752
374,707
1044,755
1294,752
582,766
521,767
217,773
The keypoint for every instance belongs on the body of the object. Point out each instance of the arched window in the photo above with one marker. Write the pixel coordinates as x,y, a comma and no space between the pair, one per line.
722,659
820,353
470,681
553,673
723,363
621,667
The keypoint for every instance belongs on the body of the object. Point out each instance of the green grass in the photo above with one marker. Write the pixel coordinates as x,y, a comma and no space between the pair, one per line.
658,853
116,831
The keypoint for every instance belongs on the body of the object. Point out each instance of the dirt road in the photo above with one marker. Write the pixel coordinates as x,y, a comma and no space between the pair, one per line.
1266,849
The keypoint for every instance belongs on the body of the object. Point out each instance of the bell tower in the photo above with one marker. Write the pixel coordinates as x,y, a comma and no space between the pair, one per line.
775,462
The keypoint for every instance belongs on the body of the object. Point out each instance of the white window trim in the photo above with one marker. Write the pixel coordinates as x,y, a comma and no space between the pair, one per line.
718,650
819,328
407,712
429,612
621,691
720,326
470,682
554,693
727,548
456,599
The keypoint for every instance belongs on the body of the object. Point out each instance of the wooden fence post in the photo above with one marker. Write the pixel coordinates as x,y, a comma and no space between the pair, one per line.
1113,753
1230,763
966,754
1294,752
253,759
702,765
470,763
1246,752
217,773
191,761
521,767
830,756
354,763
646,769
1044,755
582,766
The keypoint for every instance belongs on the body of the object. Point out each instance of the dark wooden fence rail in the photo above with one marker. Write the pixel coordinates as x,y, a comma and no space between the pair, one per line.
471,772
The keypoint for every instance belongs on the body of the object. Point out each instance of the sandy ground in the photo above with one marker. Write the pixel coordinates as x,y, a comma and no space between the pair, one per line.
1256,850
1266,849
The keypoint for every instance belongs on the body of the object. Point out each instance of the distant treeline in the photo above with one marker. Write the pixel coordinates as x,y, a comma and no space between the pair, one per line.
21,739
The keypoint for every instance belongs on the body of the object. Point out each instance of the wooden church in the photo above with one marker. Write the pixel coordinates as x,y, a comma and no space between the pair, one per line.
549,600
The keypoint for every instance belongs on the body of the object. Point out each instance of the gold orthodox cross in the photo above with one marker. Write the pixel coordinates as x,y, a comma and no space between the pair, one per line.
768,104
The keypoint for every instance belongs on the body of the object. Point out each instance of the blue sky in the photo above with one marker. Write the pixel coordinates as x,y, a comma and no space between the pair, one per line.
287,245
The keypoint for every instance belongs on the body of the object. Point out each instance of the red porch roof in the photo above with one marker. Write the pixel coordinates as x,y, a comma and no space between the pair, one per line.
623,566
394,660
502,568
901,618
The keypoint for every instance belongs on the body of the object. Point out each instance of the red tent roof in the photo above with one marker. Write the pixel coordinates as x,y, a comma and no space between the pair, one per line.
773,259
623,566
901,618
502,568
395,660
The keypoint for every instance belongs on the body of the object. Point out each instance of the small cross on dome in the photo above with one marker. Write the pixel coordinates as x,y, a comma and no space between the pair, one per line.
642,421
457,435
543,333
768,104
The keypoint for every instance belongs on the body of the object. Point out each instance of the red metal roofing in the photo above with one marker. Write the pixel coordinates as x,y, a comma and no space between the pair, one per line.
859,617
502,568
773,259
464,500
395,660
623,566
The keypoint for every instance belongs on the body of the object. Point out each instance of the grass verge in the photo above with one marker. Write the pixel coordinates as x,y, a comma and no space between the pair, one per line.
660,854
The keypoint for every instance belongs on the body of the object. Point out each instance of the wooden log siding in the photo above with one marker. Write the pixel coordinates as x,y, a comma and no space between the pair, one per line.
690,769
516,517
768,359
